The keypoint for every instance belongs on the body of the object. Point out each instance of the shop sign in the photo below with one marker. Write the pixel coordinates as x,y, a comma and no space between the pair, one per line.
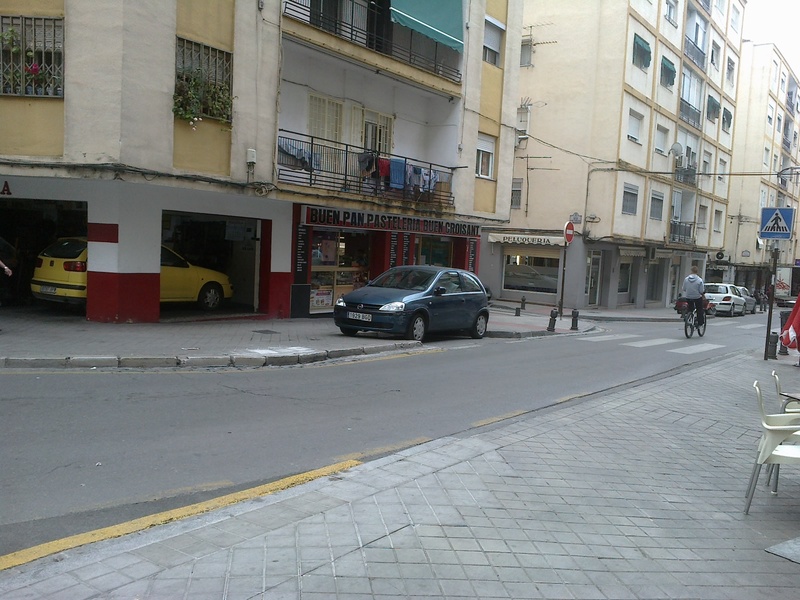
537,240
359,219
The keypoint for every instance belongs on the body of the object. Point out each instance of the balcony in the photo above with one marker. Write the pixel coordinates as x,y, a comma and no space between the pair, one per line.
787,144
681,233
369,27
695,53
690,114
327,165
687,175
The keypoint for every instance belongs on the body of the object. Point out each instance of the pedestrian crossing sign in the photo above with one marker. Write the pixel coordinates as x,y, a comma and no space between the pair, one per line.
776,223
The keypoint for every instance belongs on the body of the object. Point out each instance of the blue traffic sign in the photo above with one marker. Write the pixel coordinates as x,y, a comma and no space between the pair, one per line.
776,223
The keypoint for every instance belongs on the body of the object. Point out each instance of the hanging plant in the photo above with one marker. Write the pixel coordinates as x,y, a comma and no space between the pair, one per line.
218,102
187,100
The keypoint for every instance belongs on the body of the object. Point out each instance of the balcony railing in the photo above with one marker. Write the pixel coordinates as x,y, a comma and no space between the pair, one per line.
687,175
369,27
328,165
695,53
690,114
787,144
681,233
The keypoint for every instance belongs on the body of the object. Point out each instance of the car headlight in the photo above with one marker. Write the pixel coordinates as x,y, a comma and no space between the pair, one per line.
393,307
340,302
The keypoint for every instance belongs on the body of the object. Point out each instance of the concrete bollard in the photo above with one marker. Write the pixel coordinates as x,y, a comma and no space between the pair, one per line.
522,303
551,326
574,320
772,345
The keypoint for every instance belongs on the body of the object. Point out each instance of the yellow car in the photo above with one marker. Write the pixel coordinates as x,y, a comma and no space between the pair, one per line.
60,276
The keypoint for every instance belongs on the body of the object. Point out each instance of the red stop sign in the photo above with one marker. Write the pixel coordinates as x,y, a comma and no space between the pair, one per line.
569,232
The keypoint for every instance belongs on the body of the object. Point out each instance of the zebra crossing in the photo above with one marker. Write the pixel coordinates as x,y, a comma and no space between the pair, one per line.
634,340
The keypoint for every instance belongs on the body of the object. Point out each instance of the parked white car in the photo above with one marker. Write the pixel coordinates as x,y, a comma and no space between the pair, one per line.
727,298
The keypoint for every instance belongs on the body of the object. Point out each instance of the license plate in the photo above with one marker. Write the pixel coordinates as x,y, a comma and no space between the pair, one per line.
359,316
48,289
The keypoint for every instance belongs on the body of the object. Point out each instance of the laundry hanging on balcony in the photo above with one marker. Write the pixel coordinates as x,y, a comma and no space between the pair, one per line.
441,21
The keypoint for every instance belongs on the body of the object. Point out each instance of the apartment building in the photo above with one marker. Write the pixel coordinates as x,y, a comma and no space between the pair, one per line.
627,113
300,146
766,142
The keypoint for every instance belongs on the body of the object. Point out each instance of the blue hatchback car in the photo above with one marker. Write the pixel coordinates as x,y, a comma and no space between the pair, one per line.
415,300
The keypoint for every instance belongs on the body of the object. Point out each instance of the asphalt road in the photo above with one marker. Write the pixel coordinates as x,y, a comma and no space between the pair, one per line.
83,450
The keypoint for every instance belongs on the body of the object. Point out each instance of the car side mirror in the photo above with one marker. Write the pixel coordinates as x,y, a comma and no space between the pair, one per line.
439,291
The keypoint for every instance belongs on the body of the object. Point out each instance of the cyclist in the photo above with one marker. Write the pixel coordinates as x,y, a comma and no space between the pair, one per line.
694,291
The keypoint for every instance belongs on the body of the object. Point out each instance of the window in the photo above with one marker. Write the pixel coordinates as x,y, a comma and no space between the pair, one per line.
671,11
492,43
735,17
662,134
715,50
783,82
718,221
325,118
634,125
203,78
31,56
720,5
516,192
641,52
536,272
523,119
668,72
702,217
630,199
712,109
372,130
722,170
526,55
706,163
727,119
730,74
770,115
774,80
766,156
656,206
484,166
779,124
775,162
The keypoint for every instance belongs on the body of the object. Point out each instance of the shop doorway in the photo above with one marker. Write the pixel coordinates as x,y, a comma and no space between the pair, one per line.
593,264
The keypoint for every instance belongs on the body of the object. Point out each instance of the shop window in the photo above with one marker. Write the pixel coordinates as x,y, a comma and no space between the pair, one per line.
624,284
531,273
434,251
339,264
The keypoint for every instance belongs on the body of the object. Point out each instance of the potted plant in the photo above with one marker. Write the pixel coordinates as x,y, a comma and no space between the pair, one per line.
218,102
187,99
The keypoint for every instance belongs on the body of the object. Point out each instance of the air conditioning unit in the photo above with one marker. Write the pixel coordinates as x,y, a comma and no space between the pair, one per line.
679,160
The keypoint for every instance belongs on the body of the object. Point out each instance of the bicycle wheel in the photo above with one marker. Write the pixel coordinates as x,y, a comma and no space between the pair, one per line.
688,324
701,329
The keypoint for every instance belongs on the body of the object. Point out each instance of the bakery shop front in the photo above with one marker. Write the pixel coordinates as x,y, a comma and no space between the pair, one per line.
338,250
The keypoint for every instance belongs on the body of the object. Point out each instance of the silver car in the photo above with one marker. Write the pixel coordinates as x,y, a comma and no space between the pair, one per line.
749,299
727,298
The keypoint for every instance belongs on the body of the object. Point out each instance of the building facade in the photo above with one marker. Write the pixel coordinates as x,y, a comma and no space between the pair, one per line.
766,143
300,146
626,119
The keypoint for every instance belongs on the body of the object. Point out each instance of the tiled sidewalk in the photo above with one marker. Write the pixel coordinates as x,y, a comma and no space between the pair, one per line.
634,494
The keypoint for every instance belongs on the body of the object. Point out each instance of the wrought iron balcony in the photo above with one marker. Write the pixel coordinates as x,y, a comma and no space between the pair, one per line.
690,114
342,168
366,26
681,233
695,53
687,175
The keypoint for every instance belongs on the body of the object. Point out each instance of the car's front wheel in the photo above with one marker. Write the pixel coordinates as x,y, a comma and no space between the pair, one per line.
417,328
479,326
348,332
210,296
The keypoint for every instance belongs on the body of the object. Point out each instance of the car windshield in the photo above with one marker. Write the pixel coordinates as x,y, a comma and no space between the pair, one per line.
404,279
716,289
65,249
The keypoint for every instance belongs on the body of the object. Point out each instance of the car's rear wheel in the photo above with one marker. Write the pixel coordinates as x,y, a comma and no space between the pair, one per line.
348,332
210,296
753,311
417,328
479,326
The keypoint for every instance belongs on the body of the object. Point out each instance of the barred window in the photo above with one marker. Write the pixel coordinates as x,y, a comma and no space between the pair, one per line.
203,77
31,56
516,192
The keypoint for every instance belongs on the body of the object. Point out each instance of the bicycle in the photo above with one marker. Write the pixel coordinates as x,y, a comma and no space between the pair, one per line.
690,323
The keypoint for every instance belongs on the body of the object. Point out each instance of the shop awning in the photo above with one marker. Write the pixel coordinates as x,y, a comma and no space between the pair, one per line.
441,20
631,251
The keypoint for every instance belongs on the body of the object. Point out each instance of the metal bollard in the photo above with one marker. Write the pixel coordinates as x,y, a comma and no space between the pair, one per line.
516,312
574,320
772,345
551,326
522,303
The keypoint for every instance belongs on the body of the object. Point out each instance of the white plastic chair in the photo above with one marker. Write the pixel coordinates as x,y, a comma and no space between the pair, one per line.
788,404
771,450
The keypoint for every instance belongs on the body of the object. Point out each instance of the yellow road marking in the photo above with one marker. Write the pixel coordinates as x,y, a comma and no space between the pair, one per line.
499,418
106,533
360,456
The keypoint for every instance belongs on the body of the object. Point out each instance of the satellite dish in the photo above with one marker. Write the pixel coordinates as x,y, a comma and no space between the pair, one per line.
676,149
